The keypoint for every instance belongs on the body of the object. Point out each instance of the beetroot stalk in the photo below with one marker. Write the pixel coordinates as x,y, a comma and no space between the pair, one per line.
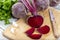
31,8
34,12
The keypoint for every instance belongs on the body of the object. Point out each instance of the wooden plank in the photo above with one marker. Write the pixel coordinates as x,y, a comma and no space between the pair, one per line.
22,27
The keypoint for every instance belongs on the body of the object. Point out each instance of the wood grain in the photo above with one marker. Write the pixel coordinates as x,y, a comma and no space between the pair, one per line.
22,27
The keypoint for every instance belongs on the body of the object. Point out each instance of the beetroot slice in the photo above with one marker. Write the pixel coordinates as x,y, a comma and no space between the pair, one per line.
35,36
30,31
35,21
44,30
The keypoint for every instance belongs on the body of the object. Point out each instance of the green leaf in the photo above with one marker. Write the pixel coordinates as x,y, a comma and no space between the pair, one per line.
5,10
7,22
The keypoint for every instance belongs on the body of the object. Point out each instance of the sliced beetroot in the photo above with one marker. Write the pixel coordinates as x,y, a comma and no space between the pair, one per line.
35,36
44,30
30,31
35,21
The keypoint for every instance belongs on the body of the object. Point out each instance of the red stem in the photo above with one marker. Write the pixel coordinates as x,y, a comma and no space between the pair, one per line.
31,8
25,3
34,6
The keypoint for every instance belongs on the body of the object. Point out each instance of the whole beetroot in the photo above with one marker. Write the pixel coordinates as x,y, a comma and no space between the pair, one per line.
54,2
42,4
18,10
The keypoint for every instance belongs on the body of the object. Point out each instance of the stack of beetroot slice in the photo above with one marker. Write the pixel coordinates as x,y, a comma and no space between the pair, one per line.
35,22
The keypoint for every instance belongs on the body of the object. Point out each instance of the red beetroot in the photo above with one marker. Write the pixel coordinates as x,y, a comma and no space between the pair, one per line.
30,31
35,21
35,36
44,30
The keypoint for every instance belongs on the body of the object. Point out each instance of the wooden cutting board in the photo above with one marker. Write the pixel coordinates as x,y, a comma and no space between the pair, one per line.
18,33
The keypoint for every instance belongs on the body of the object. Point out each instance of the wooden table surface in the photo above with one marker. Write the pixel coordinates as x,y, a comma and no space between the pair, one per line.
19,35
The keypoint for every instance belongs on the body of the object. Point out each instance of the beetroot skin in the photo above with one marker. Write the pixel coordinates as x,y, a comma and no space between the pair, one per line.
35,36
30,31
44,30
35,21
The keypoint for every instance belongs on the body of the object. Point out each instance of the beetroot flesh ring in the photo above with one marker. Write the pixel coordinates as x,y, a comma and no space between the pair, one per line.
44,30
35,21
35,36
30,31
